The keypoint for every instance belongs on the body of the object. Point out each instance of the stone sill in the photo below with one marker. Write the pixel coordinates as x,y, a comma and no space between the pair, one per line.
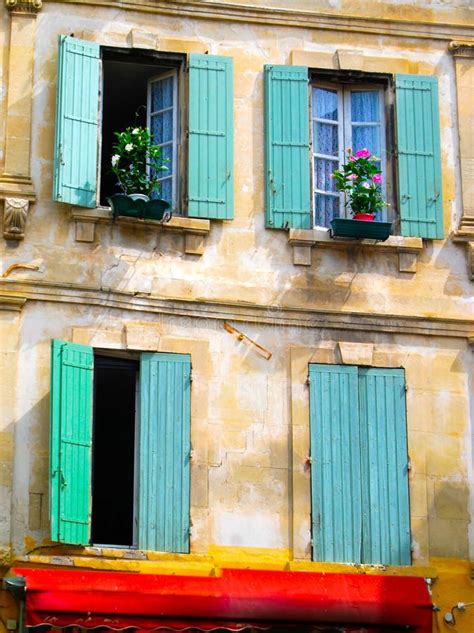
123,559
303,240
193,229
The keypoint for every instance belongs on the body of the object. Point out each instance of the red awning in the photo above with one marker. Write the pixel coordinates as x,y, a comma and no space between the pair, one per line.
233,599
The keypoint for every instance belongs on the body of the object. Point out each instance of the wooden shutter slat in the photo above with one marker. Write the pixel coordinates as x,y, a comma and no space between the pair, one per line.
164,445
419,156
287,166
76,141
71,442
210,160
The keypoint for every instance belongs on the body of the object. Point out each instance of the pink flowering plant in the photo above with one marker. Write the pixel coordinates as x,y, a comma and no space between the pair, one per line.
360,180
137,162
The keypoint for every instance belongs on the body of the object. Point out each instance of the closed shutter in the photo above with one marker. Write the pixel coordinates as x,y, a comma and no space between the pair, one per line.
419,156
71,440
335,470
163,512
211,130
287,167
385,510
77,105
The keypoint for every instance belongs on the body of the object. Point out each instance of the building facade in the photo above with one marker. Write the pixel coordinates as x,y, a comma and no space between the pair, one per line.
239,388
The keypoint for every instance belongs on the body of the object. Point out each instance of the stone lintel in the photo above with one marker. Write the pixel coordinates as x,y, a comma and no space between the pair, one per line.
407,248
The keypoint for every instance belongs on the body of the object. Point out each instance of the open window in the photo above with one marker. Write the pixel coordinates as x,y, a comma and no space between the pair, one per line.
143,90
311,116
120,449
187,103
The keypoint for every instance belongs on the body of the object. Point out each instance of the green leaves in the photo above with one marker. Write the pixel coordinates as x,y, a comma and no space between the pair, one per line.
360,179
136,162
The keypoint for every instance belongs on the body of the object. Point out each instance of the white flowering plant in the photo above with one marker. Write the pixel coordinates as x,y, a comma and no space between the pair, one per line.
137,162
360,179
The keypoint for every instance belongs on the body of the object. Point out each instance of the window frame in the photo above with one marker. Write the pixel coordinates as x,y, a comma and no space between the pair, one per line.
176,109
177,63
345,84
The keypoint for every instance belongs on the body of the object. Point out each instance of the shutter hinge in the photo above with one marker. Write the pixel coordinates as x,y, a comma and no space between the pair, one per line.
308,461
190,375
409,464
405,387
308,380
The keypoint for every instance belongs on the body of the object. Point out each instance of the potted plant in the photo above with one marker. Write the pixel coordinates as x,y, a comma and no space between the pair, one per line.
360,180
137,164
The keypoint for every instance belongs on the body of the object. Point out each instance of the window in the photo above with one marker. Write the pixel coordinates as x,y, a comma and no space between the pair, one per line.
187,102
343,115
142,89
359,472
120,449
343,110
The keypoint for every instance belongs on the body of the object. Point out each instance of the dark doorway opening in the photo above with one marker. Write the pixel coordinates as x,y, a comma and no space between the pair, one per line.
113,457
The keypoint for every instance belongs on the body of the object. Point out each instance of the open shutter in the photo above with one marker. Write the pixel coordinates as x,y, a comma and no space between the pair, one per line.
71,440
163,513
335,463
419,156
77,105
287,185
386,515
211,130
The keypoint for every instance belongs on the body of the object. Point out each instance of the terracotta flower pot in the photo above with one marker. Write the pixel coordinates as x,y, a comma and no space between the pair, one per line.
365,217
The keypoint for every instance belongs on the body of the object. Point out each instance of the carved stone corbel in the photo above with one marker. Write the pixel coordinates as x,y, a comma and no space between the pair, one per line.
461,49
23,6
14,218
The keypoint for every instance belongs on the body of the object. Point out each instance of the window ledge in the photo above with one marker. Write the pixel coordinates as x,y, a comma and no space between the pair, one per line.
303,240
193,229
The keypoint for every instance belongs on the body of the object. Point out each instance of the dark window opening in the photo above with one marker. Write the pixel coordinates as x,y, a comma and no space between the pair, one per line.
113,456
127,77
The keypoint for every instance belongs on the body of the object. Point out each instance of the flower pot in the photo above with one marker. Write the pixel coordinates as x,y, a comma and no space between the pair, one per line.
342,227
133,207
365,217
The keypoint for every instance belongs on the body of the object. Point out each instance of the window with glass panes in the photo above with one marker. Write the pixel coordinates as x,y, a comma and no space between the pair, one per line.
343,115
163,125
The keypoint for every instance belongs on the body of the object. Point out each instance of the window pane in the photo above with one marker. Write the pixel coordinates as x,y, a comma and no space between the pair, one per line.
166,190
323,169
156,96
325,104
366,137
327,208
326,139
365,106
167,92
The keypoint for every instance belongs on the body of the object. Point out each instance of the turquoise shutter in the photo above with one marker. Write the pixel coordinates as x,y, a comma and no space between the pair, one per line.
211,138
77,107
335,470
386,512
71,440
419,156
287,157
163,512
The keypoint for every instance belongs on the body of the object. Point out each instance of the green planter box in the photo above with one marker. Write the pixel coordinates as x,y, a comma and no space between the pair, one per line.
123,205
360,229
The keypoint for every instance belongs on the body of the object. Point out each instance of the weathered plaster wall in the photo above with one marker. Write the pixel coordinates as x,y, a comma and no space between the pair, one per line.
250,424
